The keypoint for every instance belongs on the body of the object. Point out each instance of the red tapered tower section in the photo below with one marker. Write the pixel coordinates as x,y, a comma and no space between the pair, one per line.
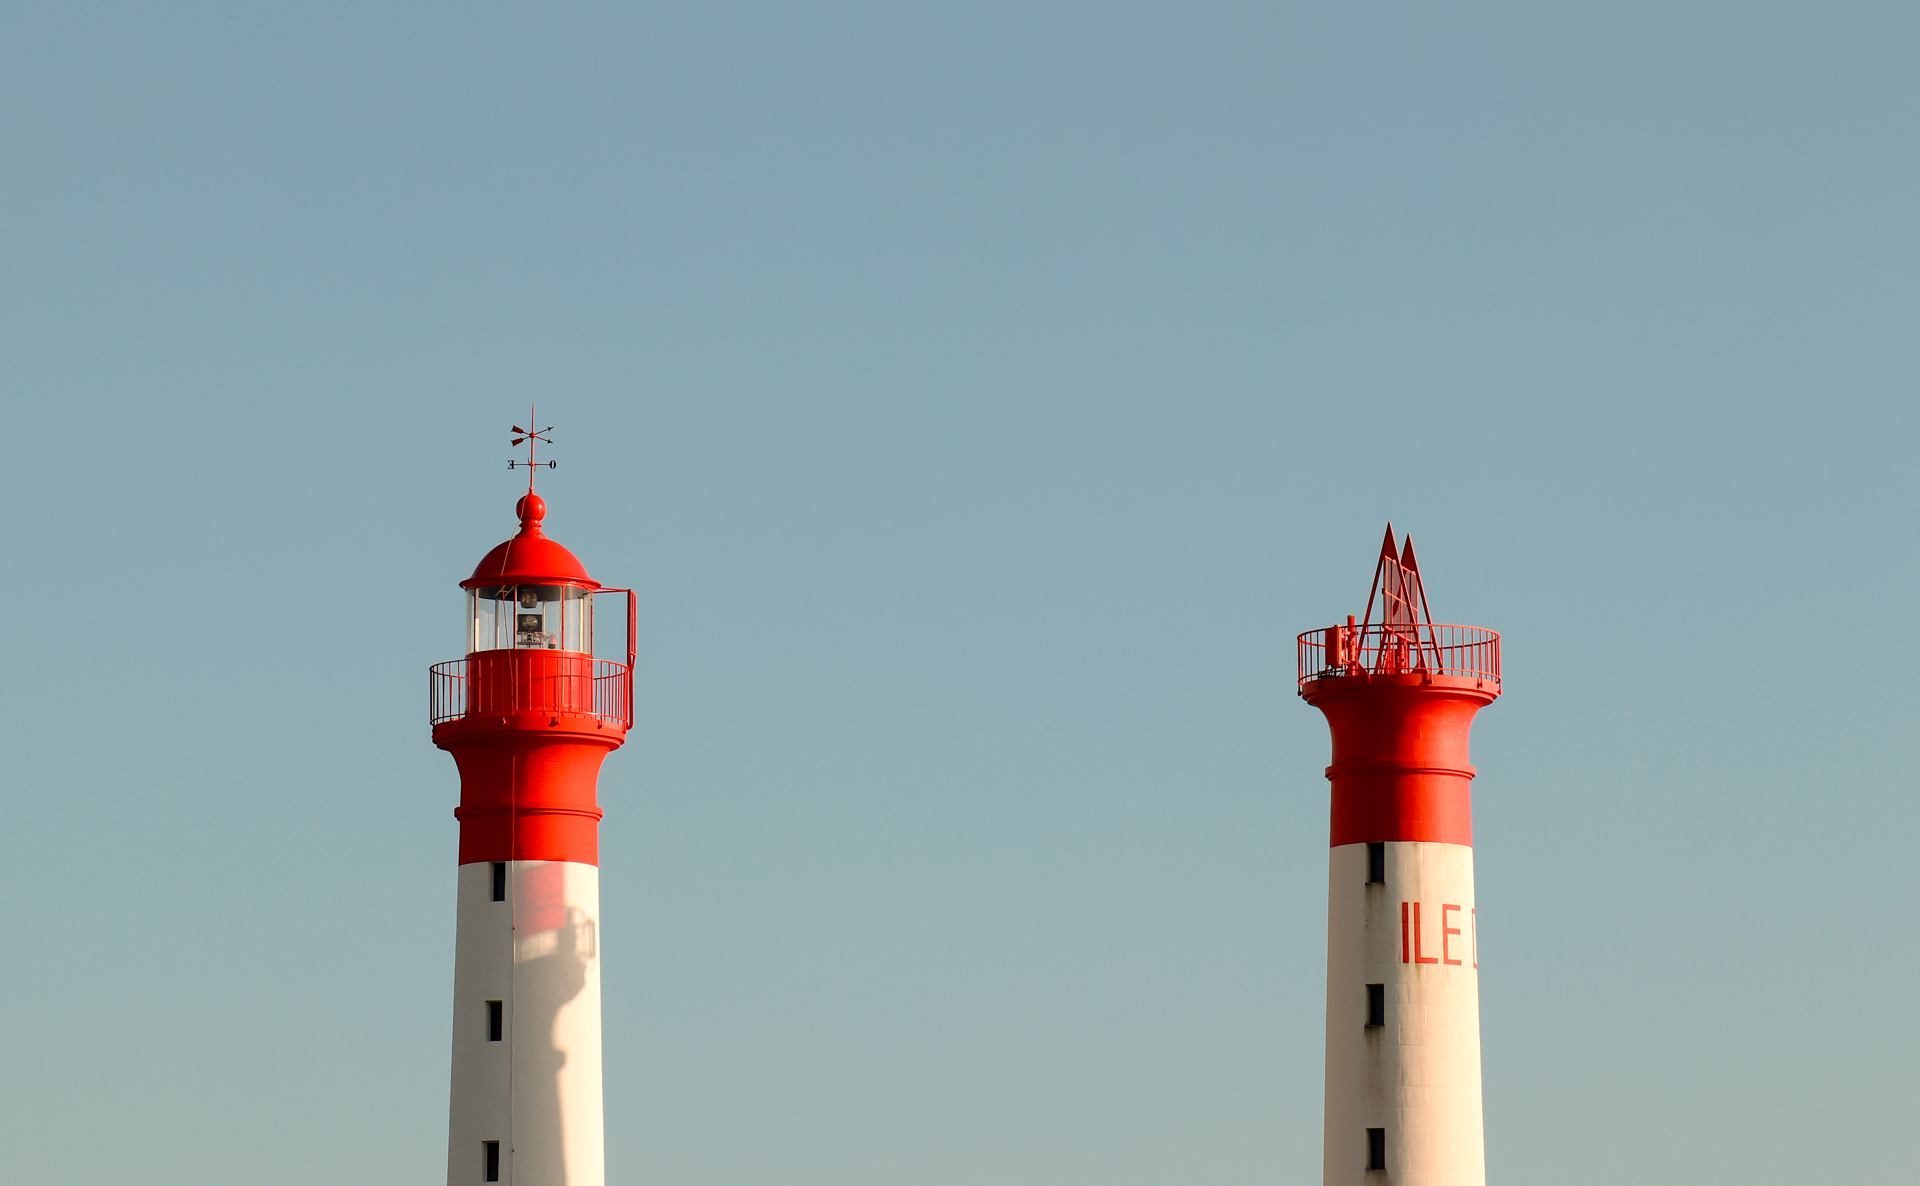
528,716
1403,995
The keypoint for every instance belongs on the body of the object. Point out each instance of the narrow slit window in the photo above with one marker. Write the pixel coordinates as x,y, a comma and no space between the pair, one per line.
1376,864
499,881
1376,1148
496,1020
1376,1005
490,1160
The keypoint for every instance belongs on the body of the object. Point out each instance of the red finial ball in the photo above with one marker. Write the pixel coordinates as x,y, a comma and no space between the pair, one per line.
532,509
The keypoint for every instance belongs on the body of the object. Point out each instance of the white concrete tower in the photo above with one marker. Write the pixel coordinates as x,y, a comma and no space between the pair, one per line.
528,716
1403,967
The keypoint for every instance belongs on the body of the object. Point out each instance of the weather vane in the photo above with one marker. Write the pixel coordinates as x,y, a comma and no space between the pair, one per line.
532,438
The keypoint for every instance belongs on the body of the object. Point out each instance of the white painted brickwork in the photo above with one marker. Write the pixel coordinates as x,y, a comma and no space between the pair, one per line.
537,1092
1418,1075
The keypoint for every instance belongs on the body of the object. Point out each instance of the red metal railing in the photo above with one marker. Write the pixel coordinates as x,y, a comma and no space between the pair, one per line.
531,681
1465,652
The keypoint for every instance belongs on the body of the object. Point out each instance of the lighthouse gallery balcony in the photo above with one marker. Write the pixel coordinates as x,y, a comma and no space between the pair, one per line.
1401,649
513,682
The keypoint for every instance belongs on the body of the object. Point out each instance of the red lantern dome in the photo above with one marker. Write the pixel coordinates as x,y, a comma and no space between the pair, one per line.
530,557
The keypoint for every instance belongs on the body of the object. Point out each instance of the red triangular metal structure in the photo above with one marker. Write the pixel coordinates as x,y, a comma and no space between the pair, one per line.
1402,598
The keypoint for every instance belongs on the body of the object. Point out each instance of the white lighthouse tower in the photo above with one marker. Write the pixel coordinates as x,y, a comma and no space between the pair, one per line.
528,716
1403,960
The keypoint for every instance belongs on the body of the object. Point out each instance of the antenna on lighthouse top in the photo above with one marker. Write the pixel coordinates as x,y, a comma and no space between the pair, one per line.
532,438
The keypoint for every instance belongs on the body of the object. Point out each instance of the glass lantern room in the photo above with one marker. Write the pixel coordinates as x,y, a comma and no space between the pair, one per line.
530,617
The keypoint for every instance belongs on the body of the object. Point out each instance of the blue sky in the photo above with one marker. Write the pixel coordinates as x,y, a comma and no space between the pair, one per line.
981,397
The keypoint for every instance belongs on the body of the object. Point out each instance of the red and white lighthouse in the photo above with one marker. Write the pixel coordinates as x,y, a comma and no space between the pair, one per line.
528,716
1403,966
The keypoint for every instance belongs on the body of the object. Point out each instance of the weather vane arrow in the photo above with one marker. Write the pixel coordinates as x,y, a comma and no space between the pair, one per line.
532,438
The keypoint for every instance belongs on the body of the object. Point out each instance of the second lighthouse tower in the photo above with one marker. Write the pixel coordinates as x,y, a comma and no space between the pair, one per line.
528,716
1403,964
